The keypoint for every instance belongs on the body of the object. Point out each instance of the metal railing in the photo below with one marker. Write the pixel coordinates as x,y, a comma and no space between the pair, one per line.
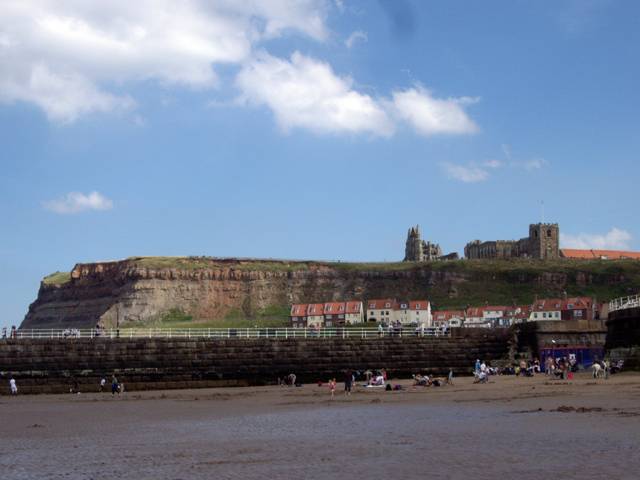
235,333
622,303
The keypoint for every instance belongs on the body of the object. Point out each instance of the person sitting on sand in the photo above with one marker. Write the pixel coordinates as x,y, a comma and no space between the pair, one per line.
482,378
377,381
420,381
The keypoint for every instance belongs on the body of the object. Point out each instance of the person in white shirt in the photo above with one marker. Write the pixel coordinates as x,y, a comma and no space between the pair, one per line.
13,386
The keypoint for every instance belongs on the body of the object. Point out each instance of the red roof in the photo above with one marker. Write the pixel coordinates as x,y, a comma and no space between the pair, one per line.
475,311
382,304
441,315
354,307
419,305
603,254
332,308
547,305
576,303
299,310
315,309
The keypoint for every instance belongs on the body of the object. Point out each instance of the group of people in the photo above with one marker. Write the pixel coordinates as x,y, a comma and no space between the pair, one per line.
560,367
13,333
425,380
482,371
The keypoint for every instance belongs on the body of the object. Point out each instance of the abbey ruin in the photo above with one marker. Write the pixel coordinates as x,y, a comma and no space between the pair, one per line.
418,250
543,242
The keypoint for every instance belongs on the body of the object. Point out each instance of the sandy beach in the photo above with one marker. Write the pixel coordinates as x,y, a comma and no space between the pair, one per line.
510,427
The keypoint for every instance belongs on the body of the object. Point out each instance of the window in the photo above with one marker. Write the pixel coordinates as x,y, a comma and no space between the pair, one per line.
372,305
371,313
403,306
329,316
535,315
386,313
577,313
549,233
544,315
387,305
417,306
328,308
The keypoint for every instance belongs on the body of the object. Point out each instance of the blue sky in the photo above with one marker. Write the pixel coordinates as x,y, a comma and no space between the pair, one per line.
313,129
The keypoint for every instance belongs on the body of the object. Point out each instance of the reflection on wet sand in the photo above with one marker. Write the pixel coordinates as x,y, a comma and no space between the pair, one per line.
510,427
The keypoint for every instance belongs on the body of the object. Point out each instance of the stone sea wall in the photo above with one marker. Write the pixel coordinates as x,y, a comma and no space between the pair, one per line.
54,366
623,337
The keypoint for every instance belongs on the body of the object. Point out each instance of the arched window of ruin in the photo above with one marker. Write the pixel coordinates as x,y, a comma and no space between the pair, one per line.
549,232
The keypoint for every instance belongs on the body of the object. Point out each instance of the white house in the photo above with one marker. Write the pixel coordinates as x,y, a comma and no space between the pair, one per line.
546,309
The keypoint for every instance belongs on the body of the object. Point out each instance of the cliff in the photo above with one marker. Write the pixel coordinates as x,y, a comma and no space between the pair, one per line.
141,289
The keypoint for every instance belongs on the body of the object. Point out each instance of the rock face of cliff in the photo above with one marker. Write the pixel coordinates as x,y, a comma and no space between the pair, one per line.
139,289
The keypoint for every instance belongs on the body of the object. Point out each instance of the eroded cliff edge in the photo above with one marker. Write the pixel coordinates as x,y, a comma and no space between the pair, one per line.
138,289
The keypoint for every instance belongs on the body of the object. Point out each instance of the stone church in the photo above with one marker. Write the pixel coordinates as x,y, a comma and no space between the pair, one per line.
418,250
543,242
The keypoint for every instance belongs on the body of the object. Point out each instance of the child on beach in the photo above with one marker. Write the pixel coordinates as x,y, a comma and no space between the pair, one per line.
13,386
332,387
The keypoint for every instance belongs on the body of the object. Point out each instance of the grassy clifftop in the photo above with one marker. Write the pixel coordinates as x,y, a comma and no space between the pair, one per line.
629,268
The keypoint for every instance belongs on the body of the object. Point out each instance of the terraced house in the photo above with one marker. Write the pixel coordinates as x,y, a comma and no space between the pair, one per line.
329,314
407,312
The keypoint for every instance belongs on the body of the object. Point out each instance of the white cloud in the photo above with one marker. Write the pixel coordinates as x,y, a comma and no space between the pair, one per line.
76,202
615,239
69,58
306,93
429,115
493,164
466,174
534,164
354,37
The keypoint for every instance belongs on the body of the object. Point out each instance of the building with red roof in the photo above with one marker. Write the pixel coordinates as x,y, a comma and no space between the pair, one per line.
329,314
576,254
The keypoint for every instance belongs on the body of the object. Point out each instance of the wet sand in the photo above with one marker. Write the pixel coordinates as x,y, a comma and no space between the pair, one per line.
511,427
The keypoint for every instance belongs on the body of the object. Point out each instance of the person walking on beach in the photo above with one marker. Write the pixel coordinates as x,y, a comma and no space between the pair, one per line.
477,366
114,385
13,386
348,381
103,383
332,387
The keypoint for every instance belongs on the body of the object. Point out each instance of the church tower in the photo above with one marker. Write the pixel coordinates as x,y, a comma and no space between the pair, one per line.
544,240
413,251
